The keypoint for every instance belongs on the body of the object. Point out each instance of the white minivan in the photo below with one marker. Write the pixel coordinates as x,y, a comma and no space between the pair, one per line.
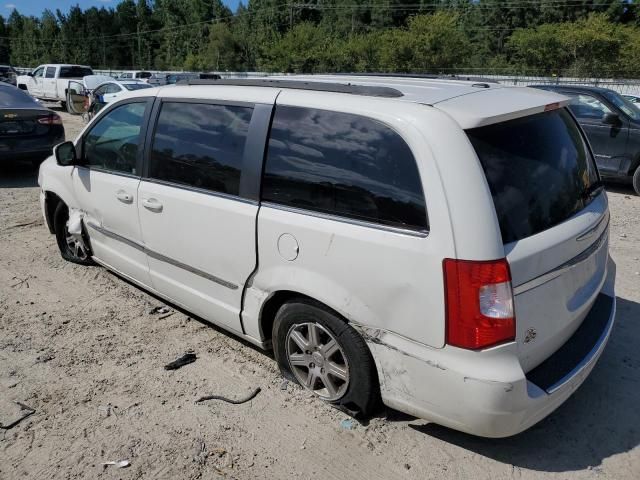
439,245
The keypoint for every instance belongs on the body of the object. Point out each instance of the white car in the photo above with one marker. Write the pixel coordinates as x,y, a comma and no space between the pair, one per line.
140,75
439,245
112,90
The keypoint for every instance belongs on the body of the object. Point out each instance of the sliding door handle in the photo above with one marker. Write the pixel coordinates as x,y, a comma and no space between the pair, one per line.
152,204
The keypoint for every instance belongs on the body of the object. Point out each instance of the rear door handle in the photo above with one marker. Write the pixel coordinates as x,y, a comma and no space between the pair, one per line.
152,204
124,197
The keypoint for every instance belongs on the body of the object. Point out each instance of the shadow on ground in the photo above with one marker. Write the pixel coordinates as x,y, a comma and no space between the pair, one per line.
619,187
18,174
600,420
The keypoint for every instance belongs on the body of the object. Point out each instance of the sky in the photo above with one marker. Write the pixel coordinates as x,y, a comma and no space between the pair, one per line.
35,7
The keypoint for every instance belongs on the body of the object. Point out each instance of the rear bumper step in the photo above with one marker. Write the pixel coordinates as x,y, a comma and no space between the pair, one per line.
578,350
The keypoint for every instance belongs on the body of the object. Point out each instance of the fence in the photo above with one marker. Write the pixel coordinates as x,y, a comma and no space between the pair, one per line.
623,86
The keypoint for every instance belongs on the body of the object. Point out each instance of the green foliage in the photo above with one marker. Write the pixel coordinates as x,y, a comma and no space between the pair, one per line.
545,37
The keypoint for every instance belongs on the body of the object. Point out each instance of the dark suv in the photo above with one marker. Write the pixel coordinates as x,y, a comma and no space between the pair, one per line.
612,125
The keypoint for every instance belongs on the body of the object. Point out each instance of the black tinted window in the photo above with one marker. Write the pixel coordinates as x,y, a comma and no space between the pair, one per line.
345,165
200,145
538,170
75,72
112,144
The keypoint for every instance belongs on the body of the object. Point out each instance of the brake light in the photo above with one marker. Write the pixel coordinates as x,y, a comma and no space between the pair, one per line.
479,303
53,119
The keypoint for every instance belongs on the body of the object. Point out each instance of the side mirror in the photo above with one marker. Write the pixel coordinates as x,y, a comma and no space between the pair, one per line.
65,154
30,74
611,118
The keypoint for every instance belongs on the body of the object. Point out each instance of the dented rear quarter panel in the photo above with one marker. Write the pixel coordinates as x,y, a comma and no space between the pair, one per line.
372,276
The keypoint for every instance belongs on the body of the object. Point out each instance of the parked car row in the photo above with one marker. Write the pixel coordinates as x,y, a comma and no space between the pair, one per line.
160,79
437,245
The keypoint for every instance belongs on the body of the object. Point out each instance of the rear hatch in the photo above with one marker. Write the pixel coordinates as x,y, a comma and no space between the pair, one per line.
554,220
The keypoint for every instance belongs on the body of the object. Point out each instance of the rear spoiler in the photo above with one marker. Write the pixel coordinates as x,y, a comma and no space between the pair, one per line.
486,107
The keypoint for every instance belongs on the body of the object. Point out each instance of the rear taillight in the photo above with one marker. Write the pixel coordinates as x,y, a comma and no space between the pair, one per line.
479,302
50,120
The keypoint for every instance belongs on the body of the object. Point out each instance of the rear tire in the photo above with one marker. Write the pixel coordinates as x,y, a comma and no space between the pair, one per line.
636,181
333,362
75,250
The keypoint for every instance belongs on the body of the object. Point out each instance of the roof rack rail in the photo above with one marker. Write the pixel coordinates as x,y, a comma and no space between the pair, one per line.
426,76
365,90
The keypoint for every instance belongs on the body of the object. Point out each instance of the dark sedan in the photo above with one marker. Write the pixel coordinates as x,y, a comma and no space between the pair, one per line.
612,125
28,131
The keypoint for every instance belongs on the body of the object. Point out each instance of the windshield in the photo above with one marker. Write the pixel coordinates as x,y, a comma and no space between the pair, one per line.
623,104
136,86
539,171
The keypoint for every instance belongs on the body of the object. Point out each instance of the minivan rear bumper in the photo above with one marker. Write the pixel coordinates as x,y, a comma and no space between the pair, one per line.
486,393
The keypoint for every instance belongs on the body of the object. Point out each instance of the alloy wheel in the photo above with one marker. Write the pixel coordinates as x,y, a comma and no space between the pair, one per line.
317,360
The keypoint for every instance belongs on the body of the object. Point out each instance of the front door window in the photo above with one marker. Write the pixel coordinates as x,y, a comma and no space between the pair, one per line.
114,142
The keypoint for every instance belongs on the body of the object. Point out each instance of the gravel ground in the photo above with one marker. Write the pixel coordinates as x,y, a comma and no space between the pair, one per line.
81,347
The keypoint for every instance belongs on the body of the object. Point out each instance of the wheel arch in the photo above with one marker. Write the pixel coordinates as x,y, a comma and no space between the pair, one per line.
51,202
277,299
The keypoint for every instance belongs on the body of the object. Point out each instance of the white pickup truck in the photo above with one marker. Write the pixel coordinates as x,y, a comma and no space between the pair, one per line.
51,81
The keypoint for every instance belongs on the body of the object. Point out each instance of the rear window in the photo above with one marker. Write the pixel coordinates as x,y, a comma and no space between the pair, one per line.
11,97
75,72
136,86
539,171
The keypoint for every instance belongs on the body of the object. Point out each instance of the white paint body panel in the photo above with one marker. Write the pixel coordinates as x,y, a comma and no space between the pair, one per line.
213,234
97,193
388,283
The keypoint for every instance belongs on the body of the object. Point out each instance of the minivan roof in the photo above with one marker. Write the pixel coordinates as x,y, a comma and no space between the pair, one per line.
471,103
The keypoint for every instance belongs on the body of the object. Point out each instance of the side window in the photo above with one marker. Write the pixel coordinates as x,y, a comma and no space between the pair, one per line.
39,73
345,165
112,144
51,72
587,107
200,145
100,90
112,88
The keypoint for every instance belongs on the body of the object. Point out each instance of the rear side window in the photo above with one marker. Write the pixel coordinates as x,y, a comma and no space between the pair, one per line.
539,171
75,72
200,145
345,165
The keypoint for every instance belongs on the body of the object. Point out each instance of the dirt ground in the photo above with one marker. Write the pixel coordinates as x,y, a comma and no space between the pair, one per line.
81,347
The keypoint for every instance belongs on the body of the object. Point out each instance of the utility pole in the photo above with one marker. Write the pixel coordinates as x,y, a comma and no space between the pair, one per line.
139,49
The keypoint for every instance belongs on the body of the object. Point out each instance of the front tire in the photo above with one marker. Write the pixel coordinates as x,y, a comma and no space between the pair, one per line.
320,351
636,180
72,248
